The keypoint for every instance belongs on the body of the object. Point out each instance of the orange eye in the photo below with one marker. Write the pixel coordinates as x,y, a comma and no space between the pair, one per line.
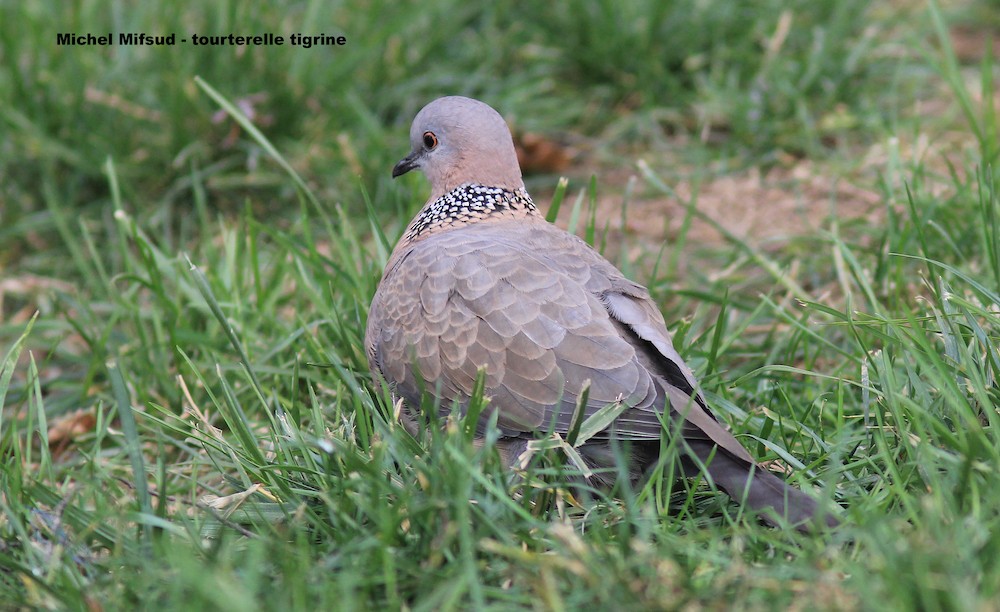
430,140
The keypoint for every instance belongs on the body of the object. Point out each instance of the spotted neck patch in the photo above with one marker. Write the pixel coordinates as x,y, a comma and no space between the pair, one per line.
470,204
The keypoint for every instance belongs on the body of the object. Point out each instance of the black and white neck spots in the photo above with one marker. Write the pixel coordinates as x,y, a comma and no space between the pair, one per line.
469,204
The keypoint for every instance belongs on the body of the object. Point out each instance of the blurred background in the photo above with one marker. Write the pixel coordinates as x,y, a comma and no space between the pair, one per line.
694,88
601,83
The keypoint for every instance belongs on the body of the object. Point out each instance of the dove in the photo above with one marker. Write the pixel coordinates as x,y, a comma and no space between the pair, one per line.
480,284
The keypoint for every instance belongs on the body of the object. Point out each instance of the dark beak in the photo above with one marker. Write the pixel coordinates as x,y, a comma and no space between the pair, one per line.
406,164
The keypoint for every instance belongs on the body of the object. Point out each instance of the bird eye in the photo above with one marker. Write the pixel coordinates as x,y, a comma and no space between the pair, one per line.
430,140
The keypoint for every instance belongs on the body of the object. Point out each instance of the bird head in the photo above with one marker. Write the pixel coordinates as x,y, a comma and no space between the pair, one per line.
456,141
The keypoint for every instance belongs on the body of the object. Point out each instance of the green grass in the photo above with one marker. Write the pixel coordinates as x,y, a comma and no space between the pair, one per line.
195,282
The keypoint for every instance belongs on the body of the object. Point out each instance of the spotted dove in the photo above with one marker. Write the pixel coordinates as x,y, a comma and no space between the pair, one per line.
481,281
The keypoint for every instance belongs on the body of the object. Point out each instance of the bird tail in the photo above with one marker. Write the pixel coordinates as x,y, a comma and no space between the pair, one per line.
777,502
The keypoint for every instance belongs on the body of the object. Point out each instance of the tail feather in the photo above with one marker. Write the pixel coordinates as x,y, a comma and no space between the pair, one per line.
778,502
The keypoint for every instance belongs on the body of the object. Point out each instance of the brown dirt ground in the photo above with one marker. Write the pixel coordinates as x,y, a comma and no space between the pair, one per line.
793,200
755,208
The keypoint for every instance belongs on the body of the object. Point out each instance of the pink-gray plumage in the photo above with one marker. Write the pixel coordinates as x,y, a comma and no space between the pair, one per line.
480,280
